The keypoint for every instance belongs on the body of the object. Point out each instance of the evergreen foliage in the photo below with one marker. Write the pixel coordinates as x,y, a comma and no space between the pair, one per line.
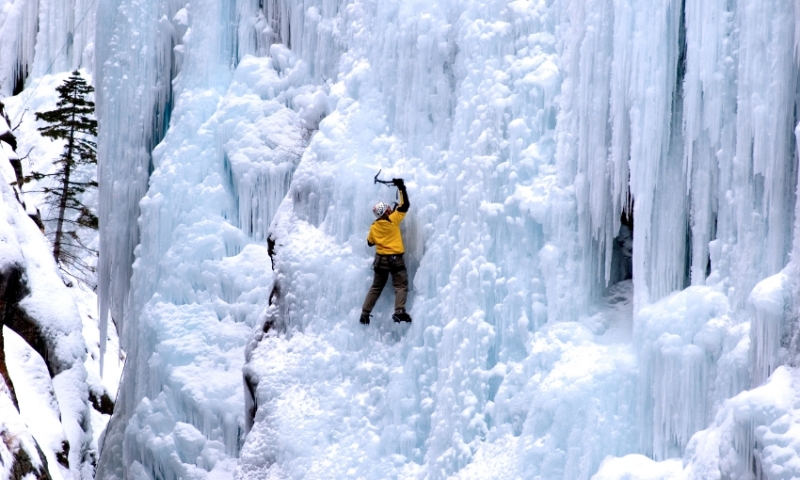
72,121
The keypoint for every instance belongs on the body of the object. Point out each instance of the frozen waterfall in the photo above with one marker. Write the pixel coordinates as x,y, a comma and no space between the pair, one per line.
39,37
602,243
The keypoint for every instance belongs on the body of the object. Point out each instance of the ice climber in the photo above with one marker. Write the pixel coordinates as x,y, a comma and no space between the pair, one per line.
385,235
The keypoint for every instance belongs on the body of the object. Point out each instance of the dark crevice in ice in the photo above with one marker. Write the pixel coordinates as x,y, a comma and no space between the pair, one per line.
20,75
4,371
622,250
271,324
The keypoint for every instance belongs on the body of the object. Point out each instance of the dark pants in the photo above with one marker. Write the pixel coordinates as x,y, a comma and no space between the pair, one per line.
383,266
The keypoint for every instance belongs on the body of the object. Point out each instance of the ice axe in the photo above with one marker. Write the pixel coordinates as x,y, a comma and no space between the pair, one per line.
388,183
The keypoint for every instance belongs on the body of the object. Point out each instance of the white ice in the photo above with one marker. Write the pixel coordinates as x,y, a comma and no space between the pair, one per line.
42,37
533,136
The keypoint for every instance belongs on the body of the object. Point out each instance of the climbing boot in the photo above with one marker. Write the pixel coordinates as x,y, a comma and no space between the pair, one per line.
364,318
401,316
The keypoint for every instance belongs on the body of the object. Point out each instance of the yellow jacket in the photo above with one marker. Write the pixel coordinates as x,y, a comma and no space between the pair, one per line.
385,231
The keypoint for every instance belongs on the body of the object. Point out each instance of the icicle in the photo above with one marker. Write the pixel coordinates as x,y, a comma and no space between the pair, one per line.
125,140
66,28
583,123
768,329
17,43
681,400
762,185
709,122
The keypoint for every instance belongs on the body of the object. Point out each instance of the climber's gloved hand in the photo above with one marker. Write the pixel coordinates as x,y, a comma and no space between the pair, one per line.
398,182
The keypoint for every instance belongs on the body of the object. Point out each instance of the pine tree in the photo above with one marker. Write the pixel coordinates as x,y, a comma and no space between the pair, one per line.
72,121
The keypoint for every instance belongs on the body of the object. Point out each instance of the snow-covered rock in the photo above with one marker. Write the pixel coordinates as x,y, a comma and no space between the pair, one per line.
46,421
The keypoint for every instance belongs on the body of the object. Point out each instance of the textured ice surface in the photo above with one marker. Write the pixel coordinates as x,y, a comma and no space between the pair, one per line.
203,278
533,137
766,415
639,467
40,37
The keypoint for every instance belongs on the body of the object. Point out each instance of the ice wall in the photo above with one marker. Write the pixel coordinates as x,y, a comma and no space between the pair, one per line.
597,188
134,70
40,37
203,277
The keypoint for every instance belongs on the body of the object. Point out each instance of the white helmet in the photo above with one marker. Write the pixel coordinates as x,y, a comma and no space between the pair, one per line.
379,209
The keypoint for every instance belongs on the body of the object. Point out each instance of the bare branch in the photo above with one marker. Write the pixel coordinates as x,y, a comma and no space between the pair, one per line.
21,118
27,154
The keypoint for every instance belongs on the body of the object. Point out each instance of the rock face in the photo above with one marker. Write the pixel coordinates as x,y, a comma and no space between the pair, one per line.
36,305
